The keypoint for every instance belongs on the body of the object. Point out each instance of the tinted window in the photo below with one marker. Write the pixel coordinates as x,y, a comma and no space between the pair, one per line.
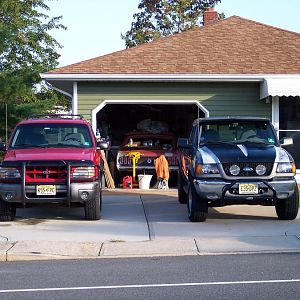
238,131
51,135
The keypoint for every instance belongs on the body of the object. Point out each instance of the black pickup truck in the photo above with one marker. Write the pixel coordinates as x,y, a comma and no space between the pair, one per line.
235,160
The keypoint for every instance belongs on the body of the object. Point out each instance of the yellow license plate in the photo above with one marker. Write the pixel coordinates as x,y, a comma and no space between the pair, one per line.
248,188
42,190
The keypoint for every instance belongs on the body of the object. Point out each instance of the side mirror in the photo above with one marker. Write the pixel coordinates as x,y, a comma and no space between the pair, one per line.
183,143
286,141
2,147
102,145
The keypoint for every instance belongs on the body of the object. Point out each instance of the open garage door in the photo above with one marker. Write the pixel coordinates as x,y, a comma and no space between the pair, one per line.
116,119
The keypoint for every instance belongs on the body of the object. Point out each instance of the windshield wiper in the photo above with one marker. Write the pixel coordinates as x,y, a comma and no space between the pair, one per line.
219,142
257,142
62,145
29,146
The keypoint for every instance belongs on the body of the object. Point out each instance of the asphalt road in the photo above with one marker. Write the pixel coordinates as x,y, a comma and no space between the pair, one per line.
255,276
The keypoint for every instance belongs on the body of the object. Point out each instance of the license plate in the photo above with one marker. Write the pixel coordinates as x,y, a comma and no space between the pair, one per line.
248,188
42,190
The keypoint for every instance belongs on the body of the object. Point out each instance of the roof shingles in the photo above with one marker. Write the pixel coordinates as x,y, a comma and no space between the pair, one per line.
231,46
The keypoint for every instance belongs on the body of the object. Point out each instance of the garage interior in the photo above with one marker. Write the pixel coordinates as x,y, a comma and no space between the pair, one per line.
115,120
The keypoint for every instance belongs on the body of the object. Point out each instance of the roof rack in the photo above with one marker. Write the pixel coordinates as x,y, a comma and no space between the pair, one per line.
55,116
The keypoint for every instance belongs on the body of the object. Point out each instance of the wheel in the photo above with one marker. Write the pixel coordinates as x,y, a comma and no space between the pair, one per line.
7,211
288,209
92,207
197,208
182,195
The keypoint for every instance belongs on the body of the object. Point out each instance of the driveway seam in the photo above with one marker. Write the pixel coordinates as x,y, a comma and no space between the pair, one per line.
101,247
148,225
196,246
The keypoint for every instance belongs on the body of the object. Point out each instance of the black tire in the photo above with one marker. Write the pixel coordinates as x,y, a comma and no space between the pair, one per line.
197,208
7,211
288,209
182,195
92,207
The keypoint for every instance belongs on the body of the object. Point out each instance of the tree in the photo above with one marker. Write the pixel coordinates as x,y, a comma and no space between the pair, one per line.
26,50
159,18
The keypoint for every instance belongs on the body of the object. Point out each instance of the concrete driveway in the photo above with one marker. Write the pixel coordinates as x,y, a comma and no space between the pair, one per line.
143,223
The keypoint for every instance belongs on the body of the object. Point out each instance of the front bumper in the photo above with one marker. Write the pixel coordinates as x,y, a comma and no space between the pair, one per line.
75,192
227,191
141,168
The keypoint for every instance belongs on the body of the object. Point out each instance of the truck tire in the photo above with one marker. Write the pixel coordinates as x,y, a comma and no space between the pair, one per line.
288,209
92,207
7,211
182,195
197,208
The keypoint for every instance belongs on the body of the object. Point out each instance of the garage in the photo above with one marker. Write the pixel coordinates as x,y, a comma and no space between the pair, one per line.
115,119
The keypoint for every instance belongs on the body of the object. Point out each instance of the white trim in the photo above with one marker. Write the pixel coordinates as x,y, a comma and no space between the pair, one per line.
75,99
275,113
167,77
152,101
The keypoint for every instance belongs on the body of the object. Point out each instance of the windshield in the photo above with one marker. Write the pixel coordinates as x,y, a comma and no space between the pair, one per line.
55,135
237,132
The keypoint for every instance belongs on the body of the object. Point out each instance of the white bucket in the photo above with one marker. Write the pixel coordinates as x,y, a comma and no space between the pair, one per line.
144,181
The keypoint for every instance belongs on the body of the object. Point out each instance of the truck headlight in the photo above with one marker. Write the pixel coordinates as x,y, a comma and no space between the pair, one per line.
84,172
206,169
286,167
9,173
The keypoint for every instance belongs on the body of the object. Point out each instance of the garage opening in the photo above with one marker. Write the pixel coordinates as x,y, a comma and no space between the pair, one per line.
116,120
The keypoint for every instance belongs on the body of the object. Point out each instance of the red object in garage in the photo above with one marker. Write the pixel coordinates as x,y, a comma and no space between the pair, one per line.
127,182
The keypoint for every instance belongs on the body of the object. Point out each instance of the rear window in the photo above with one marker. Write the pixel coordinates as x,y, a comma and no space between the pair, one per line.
56,135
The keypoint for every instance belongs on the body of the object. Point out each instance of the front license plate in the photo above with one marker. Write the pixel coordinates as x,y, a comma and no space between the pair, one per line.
248,188
42,190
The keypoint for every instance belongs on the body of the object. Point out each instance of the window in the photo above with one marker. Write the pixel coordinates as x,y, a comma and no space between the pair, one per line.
51,135
289,124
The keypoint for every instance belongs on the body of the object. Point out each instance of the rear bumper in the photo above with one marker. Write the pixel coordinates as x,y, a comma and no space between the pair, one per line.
77,192
219,190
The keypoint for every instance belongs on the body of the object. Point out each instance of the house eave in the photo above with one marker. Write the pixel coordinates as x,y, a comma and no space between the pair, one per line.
270,84
163,77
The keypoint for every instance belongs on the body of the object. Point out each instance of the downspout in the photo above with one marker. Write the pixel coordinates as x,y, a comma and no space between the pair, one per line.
75,99
58,90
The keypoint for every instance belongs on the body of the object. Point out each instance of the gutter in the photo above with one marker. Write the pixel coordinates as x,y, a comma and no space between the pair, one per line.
166,77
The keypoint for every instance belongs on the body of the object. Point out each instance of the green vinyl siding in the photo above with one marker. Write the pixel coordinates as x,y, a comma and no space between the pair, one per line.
220,99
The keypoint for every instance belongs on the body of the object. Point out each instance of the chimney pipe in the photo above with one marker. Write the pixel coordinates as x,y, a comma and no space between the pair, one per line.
210,16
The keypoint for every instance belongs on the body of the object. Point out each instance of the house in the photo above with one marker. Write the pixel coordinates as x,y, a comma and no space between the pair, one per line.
234,66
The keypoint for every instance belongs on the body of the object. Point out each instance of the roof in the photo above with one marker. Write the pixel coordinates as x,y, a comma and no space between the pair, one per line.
231,46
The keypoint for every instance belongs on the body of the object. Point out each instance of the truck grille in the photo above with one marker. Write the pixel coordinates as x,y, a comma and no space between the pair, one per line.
46,174
145,161
248,169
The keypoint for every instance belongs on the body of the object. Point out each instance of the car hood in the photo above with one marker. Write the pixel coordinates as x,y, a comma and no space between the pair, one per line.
247,152
49,154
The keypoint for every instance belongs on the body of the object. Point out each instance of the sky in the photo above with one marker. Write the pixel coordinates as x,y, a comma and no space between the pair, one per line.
94,27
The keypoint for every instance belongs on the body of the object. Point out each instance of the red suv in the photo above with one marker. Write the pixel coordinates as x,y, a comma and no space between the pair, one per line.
53,159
